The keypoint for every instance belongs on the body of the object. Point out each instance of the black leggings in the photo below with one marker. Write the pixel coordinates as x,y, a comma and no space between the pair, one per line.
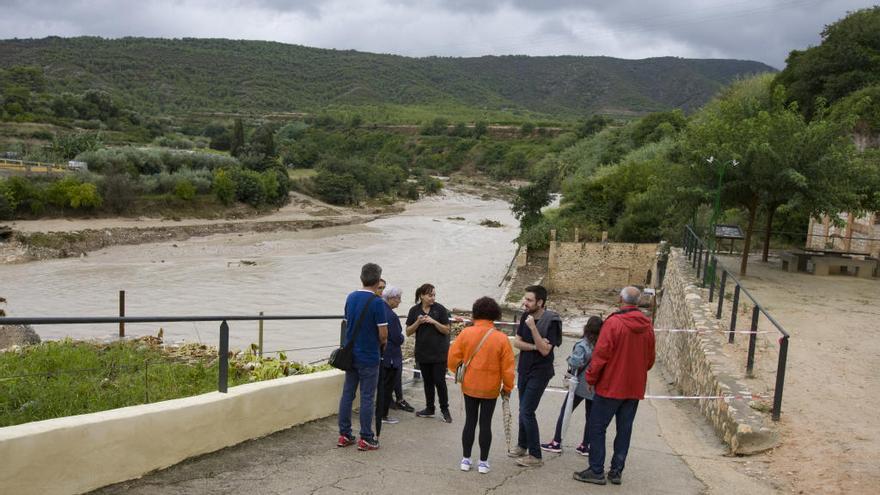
588,404
434,375
484,408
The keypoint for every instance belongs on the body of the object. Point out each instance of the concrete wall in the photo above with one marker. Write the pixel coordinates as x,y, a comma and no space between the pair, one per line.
80,453
856,235
580,266
697,366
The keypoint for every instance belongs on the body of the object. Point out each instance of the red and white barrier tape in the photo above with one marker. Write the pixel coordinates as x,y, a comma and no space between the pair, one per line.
694,330
739,396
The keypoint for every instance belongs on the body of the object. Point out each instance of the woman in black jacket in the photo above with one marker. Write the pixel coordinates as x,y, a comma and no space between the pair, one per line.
429,321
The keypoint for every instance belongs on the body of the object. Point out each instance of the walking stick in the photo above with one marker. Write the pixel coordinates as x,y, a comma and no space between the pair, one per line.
505,412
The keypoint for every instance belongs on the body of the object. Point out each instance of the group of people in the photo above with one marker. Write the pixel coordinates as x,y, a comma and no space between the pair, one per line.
607,369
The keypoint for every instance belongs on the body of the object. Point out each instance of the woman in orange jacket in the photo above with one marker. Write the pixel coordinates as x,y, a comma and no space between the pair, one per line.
488,357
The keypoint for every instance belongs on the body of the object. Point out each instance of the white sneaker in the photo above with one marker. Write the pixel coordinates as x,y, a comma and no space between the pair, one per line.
465,464
483,467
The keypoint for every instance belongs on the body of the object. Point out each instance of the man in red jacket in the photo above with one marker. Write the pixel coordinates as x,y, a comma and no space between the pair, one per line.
618,372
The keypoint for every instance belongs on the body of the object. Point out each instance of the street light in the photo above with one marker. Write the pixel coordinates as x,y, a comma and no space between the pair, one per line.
710,275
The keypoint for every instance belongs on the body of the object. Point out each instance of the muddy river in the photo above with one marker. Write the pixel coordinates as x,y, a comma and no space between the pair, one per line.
437,240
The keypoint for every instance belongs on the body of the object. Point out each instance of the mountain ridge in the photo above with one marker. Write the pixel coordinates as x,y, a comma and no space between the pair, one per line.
197,74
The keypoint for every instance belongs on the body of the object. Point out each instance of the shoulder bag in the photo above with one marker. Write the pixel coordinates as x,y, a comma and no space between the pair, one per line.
462,367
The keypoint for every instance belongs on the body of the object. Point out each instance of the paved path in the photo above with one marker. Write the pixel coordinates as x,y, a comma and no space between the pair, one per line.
418,456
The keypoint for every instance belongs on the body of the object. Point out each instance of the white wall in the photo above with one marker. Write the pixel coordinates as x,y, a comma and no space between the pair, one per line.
80,453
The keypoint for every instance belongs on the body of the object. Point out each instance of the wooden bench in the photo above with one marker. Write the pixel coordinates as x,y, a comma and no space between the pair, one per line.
832,265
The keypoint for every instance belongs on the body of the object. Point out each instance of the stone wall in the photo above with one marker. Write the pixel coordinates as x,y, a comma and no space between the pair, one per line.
582,266
696,365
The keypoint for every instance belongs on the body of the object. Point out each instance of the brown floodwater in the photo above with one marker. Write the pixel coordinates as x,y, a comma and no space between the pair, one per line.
295,273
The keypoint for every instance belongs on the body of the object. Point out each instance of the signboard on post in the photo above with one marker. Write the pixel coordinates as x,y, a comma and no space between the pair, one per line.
728,231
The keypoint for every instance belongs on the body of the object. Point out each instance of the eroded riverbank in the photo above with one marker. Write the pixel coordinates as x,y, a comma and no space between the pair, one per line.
438,239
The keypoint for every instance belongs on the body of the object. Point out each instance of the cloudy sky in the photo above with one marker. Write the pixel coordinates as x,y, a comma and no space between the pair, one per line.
764,30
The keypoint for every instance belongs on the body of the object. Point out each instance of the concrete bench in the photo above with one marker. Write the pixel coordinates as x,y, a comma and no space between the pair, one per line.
789,262
794,261
832,265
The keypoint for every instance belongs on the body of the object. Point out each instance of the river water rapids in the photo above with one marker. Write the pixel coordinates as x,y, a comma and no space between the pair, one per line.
295,273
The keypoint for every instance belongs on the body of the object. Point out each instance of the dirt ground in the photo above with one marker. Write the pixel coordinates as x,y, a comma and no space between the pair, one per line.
830,435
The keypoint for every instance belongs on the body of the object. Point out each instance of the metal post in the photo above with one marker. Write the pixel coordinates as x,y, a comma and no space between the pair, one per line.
706,267
712,278
721,294
733,314
753,338
260,337
698,259
342,325
121,313
224,357
780,378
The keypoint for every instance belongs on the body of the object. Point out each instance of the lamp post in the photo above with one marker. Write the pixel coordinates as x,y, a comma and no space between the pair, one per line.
710,276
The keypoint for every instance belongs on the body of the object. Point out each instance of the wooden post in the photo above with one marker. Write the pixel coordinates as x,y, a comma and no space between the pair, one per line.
121,313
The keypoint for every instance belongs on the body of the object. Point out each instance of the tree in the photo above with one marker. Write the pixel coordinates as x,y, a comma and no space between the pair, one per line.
845,61
592,126
529,201
480,129
781,156
237,141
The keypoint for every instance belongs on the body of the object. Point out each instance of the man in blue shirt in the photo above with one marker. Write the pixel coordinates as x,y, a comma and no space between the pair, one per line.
369,339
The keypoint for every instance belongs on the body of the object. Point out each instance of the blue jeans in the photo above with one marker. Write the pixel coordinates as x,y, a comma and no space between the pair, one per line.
624,410
368,377
531,388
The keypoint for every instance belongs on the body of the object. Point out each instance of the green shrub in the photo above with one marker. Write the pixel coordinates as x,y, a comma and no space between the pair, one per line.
185,190
223,187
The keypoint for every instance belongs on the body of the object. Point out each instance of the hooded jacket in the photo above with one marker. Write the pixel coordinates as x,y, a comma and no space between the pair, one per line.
623,355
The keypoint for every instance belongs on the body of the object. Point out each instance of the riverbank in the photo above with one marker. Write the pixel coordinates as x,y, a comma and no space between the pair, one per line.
34,240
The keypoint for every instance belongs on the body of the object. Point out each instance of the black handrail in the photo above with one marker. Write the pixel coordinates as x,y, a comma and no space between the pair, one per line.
223,348
694,248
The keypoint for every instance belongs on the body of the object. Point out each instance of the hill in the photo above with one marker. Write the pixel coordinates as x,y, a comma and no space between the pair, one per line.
180,76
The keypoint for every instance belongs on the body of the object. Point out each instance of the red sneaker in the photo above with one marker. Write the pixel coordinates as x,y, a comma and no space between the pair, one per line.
345,440
371,444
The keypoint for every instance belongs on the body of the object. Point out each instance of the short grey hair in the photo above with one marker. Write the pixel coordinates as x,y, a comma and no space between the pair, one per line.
391,291
630,295
370,274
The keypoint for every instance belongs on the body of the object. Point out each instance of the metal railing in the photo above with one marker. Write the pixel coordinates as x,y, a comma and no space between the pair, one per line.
707,267
223,349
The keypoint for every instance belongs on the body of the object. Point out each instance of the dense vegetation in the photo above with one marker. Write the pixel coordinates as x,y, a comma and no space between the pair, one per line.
65,378
787,155
161,76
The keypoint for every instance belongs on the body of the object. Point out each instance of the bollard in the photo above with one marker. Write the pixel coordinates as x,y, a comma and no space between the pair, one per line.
753,338
224,358
121,313
780,378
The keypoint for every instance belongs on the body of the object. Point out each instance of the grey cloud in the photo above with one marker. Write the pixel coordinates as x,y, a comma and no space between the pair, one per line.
764,30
